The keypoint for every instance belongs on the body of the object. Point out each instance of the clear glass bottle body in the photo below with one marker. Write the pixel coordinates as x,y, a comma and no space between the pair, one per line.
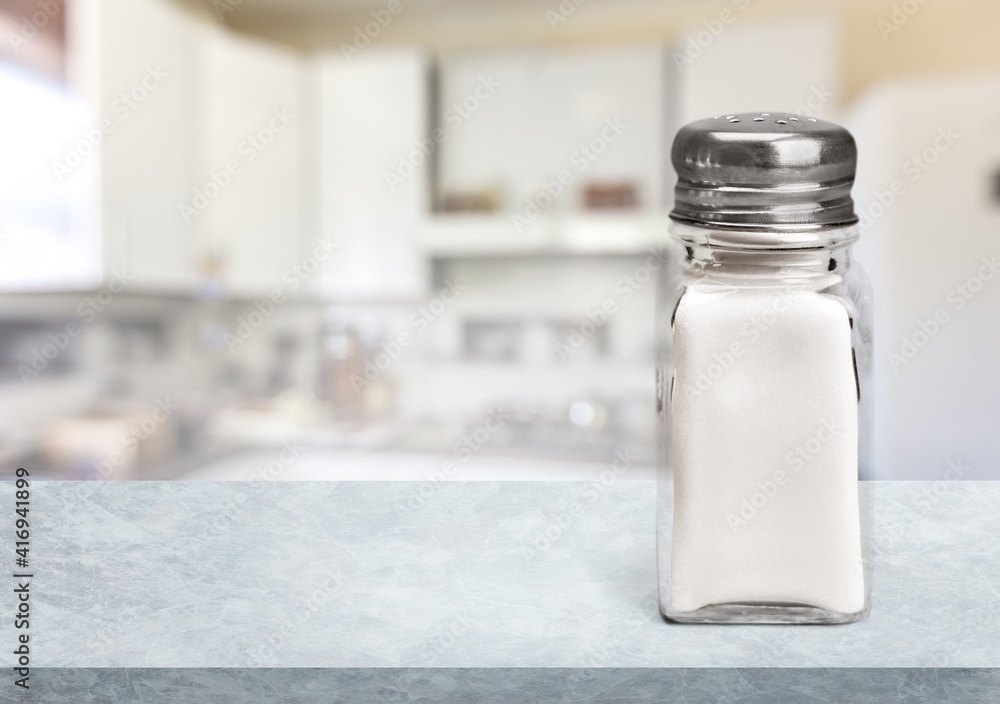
764,397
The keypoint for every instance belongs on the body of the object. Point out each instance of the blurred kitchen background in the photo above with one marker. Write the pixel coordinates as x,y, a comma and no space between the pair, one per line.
308,239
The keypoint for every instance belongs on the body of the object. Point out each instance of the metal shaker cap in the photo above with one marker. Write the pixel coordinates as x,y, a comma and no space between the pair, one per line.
764,171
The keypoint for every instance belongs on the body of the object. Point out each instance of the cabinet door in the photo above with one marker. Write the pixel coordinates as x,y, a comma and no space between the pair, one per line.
787,67
551,122
133,60
373,176
250,185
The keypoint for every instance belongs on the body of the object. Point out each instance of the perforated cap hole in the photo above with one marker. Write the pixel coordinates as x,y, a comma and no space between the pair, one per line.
734,120
758,119
781,122
812,119
793,119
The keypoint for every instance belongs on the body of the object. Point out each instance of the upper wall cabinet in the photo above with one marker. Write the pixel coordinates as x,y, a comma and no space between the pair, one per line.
553,131
198,147
247,198
372,172
788,67
134,63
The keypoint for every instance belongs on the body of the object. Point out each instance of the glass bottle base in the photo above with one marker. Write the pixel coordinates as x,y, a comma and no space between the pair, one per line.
765,613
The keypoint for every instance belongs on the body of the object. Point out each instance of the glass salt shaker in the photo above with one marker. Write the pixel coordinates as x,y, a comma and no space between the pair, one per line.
764,364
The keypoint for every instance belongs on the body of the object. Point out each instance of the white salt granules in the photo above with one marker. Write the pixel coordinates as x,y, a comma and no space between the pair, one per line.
764,451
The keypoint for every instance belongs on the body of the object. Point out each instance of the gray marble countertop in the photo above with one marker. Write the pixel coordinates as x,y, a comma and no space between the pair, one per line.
407,574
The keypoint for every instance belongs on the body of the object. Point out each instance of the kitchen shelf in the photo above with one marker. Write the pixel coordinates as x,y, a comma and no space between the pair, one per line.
495,234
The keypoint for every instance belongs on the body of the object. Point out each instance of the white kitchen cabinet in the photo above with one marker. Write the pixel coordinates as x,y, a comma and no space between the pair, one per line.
372,172
133,63
730,65
200,159
250,172
596,114
539,127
